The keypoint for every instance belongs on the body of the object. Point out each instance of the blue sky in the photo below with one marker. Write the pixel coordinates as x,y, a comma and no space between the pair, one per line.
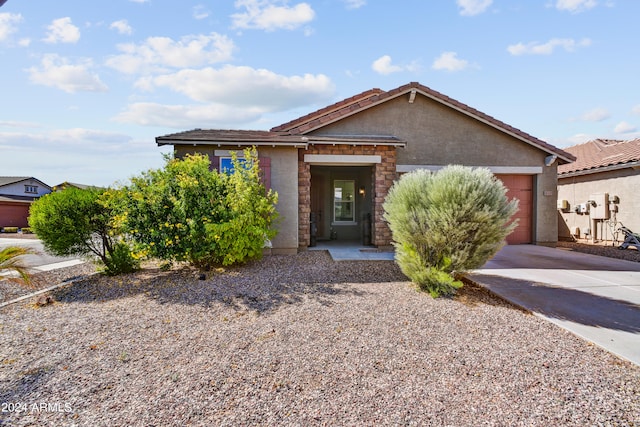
86,86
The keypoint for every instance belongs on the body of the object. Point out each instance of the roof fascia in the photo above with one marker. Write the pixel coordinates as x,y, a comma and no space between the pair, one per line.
221,143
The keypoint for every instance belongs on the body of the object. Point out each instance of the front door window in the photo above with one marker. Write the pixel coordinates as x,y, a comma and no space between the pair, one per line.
343,201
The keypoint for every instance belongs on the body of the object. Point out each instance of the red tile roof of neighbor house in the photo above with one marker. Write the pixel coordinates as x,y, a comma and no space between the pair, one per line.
594,155
295,130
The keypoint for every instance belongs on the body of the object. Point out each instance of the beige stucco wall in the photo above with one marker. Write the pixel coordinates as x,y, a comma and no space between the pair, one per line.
437,135
623,183
284,180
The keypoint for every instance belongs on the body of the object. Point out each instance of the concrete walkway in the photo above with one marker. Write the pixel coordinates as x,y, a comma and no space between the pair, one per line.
352,251
595,297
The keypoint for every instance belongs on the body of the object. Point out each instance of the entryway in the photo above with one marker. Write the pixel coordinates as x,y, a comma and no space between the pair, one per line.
341,204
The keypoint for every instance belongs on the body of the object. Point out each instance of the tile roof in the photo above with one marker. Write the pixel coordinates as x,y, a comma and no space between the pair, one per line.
374,97
297,131
230,136
243,137
594,155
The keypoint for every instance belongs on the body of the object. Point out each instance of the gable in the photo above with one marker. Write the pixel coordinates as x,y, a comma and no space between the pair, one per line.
436,134
327,117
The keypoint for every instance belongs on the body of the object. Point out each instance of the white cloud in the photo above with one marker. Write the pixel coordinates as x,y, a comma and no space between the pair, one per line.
271,15
97,155
8,25
624,127
596,115
535,48
473,7
384,66
200,12
449,61
576,6
227,97
62,31
355,4
122,27
161,52
246,87
57,72
15,124
187,116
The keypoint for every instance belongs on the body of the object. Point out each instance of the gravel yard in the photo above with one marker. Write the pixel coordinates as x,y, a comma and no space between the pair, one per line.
298,340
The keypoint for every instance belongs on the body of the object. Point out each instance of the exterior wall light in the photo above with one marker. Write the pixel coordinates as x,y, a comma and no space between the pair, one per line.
361,190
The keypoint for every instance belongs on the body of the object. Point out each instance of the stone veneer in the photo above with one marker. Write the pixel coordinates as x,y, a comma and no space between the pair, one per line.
384,175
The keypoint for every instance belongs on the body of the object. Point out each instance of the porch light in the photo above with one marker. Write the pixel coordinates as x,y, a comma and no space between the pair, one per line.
361,190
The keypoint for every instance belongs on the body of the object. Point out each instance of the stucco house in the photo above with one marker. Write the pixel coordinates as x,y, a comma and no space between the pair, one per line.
599,191
336,165
16,195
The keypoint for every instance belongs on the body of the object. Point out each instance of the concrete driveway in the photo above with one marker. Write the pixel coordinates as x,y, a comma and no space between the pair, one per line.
40,261
595,297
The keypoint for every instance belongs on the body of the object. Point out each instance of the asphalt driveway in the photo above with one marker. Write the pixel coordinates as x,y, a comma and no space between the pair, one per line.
595,297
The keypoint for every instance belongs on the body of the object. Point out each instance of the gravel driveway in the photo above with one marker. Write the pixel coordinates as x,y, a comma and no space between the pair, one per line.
298,340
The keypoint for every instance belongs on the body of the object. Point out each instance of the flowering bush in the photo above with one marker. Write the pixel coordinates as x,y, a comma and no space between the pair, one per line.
185,212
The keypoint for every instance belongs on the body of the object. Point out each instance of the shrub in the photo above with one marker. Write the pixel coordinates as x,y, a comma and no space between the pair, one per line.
77,222
121,260
26,230
446,223
9,262
10,229
185,212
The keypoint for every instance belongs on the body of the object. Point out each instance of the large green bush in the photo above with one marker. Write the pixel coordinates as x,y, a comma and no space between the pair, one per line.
77,222
185,212
446,223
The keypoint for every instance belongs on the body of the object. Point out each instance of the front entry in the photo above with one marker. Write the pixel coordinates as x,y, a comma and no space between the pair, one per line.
341,203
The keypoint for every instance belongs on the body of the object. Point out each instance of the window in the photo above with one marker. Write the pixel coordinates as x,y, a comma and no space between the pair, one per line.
344,201
31,189
226,165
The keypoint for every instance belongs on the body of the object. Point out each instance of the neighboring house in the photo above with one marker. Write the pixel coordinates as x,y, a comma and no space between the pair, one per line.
599,191
16,195
67,184
337,164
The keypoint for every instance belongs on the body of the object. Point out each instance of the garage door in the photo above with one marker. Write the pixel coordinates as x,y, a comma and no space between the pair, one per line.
13,214
521,188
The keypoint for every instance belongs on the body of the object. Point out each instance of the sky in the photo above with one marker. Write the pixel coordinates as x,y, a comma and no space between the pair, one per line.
85,87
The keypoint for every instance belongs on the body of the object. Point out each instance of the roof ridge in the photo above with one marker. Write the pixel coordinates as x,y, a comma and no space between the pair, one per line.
327,110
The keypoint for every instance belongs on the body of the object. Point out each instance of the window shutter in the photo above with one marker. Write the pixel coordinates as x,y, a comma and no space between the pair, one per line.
214,163
265,171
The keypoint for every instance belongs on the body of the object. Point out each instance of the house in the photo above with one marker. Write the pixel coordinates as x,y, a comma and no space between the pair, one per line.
67,184
599,191
16,195
334,167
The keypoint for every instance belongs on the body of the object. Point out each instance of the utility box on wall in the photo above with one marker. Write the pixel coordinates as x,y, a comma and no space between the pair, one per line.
600,206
